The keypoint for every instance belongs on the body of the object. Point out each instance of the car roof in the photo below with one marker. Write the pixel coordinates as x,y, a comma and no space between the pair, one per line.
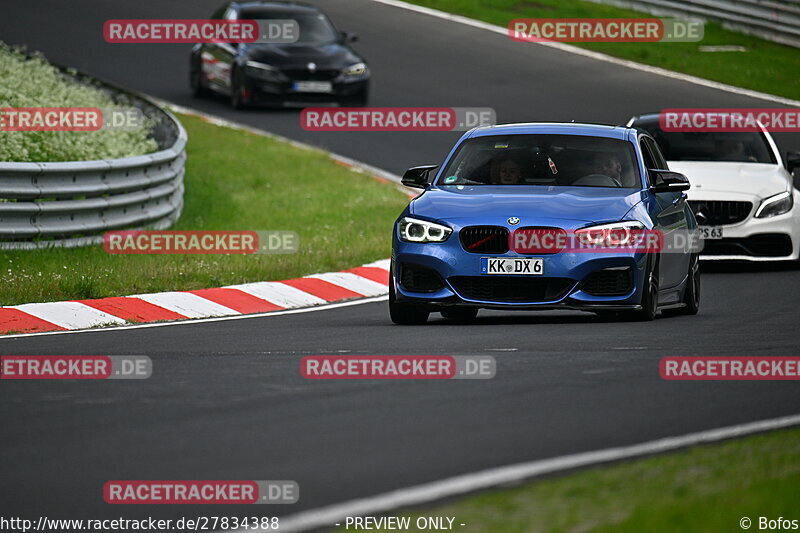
555,128
278,7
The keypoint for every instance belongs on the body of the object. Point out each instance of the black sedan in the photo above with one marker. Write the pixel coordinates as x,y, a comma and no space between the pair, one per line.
319,67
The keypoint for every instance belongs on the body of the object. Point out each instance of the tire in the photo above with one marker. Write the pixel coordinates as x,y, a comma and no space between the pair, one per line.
691,294
460,314
405,314
199,90
237,96
649,303
358,100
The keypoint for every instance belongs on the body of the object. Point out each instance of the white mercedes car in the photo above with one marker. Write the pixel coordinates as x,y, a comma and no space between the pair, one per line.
742,196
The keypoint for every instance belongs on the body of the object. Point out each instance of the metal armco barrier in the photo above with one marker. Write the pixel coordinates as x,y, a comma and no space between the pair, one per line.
73,203
775,20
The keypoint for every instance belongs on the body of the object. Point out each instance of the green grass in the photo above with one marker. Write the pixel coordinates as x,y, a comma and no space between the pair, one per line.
33,82
234,181
765,66
704,489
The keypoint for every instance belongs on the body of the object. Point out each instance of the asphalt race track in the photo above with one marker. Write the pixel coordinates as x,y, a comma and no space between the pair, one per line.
226,400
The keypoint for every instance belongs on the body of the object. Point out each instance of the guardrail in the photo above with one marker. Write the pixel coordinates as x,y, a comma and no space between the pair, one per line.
775,20
73,203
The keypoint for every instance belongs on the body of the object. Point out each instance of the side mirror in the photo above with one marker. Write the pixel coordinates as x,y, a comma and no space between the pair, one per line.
349,37
417,176
792,161
668,181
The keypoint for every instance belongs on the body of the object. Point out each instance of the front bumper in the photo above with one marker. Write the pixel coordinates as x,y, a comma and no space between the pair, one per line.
757,240
275,93
563,281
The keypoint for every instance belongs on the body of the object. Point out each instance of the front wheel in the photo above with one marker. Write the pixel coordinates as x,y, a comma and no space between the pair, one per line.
691,294
238,94
649,301
405,314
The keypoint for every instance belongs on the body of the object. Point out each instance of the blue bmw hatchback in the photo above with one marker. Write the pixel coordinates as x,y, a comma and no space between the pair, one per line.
455,248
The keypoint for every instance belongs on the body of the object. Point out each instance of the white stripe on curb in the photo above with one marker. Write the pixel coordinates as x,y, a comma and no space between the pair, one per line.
279,294
352,282
69,315
464,484
383,263
187,304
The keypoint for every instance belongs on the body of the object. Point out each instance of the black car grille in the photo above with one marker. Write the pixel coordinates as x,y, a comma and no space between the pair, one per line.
511,288
719,213
609,282
762,245
484,239
416,278
301,74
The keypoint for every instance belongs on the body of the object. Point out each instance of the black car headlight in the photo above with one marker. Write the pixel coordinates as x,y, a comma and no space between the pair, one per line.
415,230
358,70
776,205
263,72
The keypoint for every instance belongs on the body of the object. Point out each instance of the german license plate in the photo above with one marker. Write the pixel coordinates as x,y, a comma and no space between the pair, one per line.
710,232
312,86
513,266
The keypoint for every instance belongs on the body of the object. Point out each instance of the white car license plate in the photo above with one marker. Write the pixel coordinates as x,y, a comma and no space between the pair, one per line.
312,86
710,232
519,266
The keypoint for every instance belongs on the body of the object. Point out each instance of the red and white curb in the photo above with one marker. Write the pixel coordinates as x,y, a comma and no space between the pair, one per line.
366,281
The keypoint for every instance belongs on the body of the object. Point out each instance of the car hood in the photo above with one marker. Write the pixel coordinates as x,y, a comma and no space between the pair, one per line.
531,204
711,178
326,56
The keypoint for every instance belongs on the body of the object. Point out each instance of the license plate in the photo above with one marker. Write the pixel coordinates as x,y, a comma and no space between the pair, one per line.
312,86
517,266
710,232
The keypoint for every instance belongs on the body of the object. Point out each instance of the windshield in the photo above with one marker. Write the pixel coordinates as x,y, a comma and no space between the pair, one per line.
743,147
568,160
315,28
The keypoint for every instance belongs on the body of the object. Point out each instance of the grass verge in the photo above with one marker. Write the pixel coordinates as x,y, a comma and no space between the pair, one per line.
765,66
30,81
234,181
706,488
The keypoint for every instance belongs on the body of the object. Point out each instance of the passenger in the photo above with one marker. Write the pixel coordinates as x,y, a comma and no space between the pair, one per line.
506,171
607,164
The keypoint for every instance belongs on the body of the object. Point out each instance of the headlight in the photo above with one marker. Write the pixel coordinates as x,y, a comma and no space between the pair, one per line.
613,235
262,71
415,230
359,69
776,205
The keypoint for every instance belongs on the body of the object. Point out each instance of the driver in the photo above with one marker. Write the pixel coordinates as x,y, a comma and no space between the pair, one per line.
607,164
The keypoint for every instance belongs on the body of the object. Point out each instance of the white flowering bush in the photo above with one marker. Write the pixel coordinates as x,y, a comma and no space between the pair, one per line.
33,82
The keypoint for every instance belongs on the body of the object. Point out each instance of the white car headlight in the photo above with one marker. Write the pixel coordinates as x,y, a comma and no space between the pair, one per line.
415,230
359,69
776,205
262,71
613,235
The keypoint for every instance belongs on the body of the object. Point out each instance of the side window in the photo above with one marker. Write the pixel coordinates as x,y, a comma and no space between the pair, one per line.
658,157
646,155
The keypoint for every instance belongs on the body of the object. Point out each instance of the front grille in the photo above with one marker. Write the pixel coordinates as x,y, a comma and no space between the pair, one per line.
762,245
484,239
719,213
511,288
609,282
301,74
415,278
